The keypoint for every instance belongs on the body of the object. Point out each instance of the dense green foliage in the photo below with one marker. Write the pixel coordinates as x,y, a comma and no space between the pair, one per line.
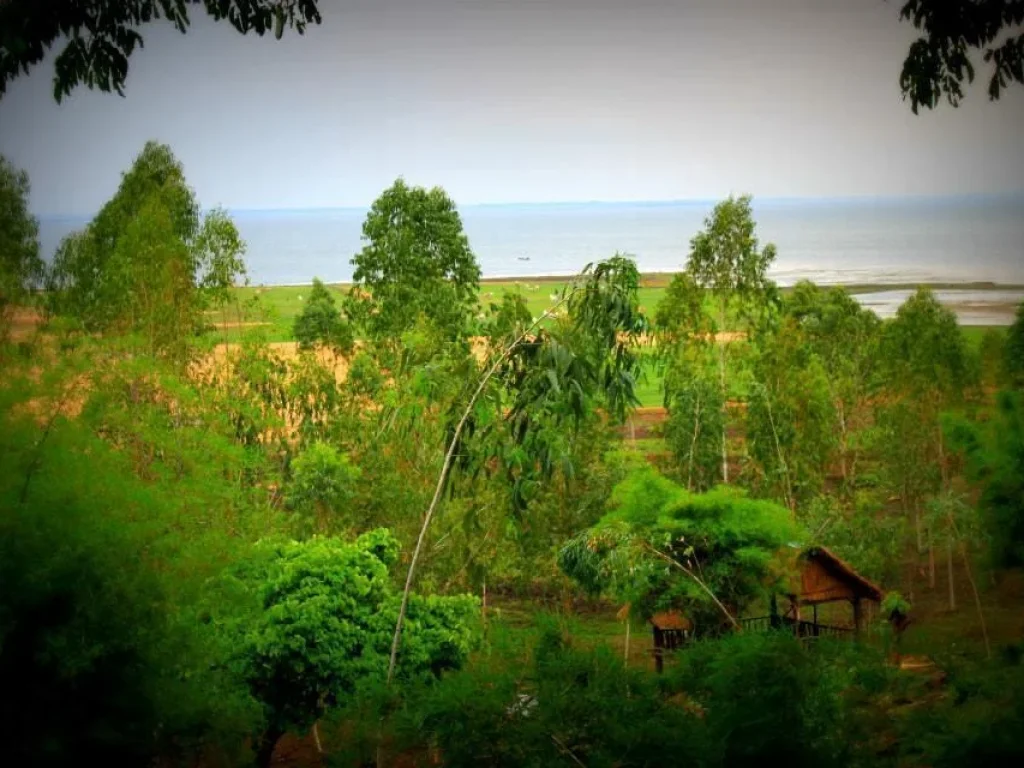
324,628
99,36
193,558
20,265
663,547
148,263
416,262
320,322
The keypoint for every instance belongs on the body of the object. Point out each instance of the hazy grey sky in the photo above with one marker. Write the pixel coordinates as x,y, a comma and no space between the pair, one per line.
512,100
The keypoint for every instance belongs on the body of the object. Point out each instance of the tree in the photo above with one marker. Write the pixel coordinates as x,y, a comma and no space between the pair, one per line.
1013,351
843,336
321,322
726,262
322,483
926,368
662,547
693,395
20,265
148,262
995,460
322,628
102,34
939,61
416,261
791,422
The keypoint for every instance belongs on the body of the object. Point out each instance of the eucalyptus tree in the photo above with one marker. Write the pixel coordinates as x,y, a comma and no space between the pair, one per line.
149,262
98,37
416,262
791,415
994,449
843,337
20,265
693,396
539,382
727,262
926,368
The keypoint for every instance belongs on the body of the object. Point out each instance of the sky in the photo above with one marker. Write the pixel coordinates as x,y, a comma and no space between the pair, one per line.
510,101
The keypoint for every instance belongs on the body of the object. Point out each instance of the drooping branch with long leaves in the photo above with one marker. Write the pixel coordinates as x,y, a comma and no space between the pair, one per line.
594,358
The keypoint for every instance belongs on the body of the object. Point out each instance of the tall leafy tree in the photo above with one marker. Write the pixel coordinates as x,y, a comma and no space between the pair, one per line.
416,262
791,422
322,626
148,263
995,460
693,395
99,36
320,321
939,62
20,265
843,336
728,263
926,368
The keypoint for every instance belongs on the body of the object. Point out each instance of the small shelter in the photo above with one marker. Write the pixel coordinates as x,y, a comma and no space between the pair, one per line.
826,578
671,630
820,577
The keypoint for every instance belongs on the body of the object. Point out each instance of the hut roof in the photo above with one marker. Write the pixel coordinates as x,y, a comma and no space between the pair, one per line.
670,620
844,572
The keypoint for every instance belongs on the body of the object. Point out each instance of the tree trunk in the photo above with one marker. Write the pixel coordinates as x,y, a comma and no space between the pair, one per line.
265,752
931,560
725,395
625,654
949,571
693,445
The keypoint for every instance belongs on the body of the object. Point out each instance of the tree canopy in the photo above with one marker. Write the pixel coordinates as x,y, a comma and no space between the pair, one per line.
416,262
20,265
148,262
662,547
101,35
940,61
320,322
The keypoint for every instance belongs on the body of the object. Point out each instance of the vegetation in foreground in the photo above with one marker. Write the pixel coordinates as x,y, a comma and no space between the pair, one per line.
211,553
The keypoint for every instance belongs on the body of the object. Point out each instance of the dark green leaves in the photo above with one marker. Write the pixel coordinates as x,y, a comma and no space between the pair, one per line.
101,34
321,322
938,63
20,265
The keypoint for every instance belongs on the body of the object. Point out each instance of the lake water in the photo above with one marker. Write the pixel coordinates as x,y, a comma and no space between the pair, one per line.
831,241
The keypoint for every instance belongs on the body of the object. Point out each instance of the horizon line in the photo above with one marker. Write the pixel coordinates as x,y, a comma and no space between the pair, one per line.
652,202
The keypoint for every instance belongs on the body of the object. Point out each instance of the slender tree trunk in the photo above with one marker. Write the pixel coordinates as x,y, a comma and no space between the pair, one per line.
693,445
974,586
720,344
931,560
265,751
625,653
483,603
443,476
949,572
